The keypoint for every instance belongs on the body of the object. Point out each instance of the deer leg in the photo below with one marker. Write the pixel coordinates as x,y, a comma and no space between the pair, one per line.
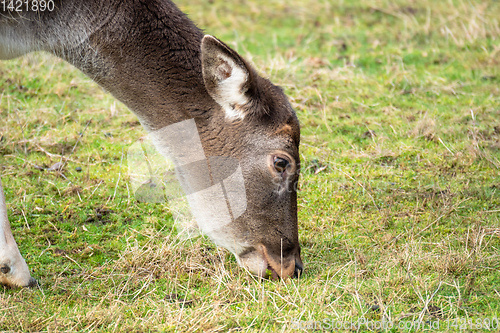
14,271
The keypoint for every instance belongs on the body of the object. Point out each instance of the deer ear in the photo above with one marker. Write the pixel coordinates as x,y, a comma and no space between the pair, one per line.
226,75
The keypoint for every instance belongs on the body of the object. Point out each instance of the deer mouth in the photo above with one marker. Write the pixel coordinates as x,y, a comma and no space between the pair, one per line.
284,268
271,274
259,262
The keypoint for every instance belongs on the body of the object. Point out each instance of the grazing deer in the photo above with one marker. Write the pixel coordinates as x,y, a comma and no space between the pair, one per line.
150,56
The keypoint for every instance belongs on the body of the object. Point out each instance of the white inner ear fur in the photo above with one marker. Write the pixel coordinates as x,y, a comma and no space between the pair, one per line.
230,96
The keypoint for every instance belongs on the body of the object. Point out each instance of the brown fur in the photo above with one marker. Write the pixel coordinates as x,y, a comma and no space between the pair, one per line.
147,54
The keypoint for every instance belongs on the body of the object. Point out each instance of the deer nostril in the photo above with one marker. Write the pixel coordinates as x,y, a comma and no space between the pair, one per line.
5,269
299,267
33,283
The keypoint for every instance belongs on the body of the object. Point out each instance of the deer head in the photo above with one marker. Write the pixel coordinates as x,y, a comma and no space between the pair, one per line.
255,124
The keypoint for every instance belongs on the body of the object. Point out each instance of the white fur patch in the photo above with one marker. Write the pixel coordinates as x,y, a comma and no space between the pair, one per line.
229,91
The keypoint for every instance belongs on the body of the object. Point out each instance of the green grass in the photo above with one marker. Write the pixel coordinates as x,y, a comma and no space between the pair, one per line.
399,202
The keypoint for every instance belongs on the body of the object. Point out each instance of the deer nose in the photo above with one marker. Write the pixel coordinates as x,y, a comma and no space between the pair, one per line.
299,268
33,283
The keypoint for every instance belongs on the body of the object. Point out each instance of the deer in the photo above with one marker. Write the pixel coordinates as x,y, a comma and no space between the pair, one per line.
150,56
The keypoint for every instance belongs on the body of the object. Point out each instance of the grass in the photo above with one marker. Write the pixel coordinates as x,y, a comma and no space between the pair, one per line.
399,202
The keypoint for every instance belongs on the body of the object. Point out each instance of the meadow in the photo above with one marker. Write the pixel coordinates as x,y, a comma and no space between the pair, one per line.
399,196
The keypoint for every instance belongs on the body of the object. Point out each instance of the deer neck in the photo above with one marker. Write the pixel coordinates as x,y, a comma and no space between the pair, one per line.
149,59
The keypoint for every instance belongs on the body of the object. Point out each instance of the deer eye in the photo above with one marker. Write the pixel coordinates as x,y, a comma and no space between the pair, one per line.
280,164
